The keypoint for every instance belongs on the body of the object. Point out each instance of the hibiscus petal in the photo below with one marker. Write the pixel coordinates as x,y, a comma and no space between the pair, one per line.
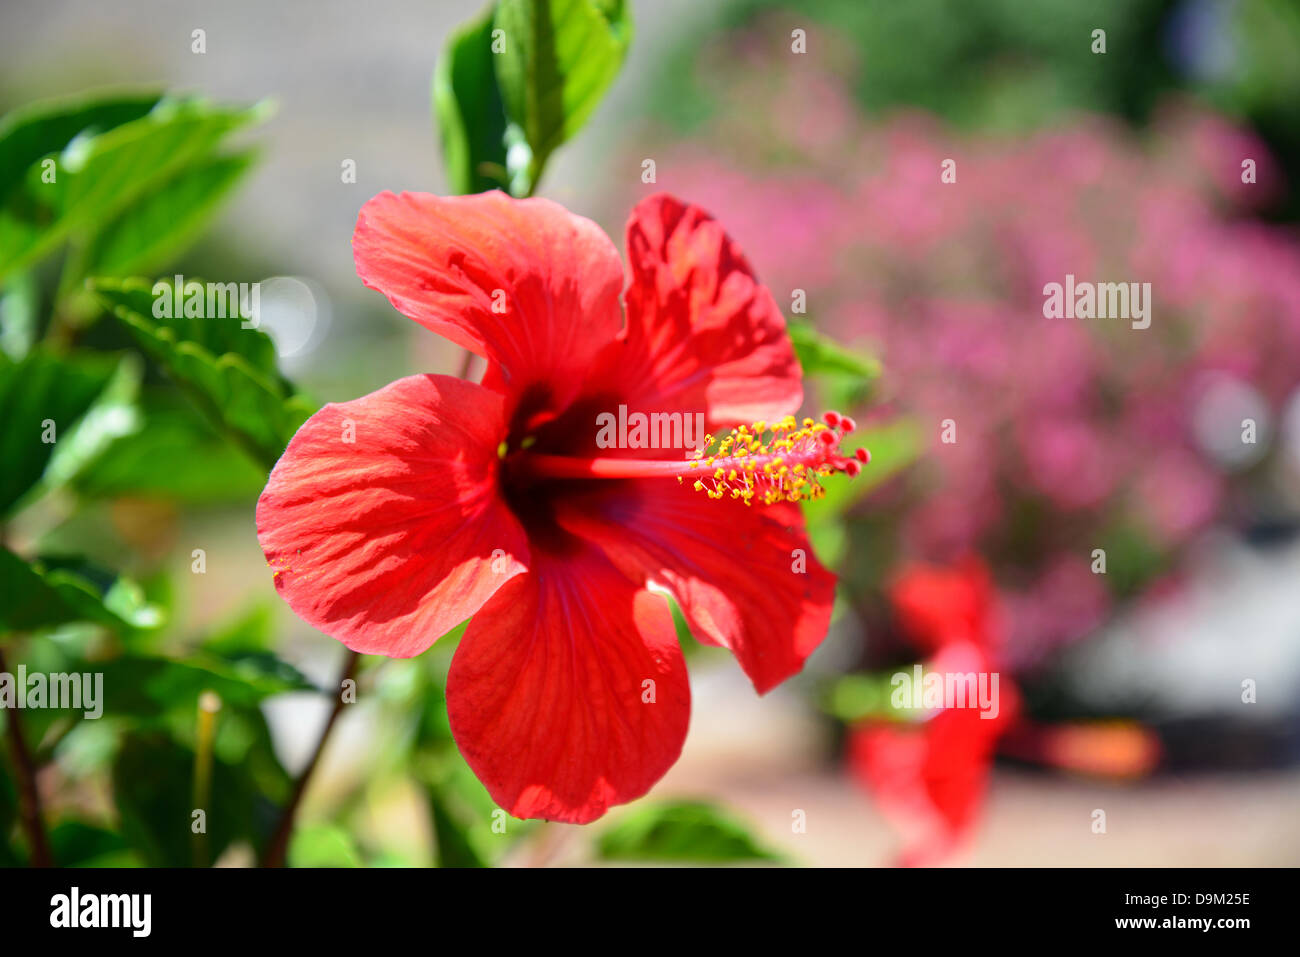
745,577
702,333
382,519
525,283
548,696
930,777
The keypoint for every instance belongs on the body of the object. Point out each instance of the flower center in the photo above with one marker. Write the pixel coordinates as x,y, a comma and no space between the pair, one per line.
781,462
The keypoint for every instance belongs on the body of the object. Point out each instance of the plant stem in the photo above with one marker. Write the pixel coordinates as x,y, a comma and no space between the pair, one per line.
29,798
278,846
466,364
208,706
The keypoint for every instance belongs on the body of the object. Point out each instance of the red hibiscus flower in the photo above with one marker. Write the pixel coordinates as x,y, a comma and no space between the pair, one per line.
394,517
930,776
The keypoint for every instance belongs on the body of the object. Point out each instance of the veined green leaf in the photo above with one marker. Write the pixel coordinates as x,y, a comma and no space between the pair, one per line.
164,222
559,58
227,369
96,177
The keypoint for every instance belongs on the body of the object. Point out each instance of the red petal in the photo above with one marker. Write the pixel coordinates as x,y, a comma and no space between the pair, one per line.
546,693
937,605
930,778
445,261
703,335
732,568
388,541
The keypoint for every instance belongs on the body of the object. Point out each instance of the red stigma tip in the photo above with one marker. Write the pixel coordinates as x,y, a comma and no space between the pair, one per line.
831,418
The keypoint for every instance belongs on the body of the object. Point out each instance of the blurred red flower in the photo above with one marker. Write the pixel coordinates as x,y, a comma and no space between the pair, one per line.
930,775
394,517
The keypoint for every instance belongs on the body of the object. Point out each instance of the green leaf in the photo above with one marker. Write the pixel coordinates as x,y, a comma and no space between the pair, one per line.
851,372
152,789
323,845
176,456
681,831
467,106
97,177
20,313
8,816
78,844
147,688
162,224
37,130
50,592
39,390
559,58
893,447
228,371
455,848
856,697
112,415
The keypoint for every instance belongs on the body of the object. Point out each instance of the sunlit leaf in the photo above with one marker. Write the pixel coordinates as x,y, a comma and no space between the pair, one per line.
164,222
175,455
323,845
224,365
37,130
20,305
559,58
684,831
820,354
96,177
49,592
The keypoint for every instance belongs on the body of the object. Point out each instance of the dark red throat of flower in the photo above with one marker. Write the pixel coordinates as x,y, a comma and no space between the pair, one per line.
781,462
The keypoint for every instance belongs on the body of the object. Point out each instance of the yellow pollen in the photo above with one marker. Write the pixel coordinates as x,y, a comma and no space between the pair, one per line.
780,462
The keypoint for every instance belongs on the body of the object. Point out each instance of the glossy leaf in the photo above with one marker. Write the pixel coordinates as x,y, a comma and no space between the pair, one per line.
37,130
177,455
467,106
164,222
560,56
43,396
46,593
229,371
20,314
97,177
147,688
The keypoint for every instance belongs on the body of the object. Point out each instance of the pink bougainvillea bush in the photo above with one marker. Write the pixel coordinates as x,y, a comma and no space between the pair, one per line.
933,249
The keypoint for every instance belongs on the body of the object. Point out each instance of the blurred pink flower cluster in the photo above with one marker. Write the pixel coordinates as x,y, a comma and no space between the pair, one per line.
1071,434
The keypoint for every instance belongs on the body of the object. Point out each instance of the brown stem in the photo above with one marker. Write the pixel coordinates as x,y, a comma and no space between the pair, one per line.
466,364
29,798
278,846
